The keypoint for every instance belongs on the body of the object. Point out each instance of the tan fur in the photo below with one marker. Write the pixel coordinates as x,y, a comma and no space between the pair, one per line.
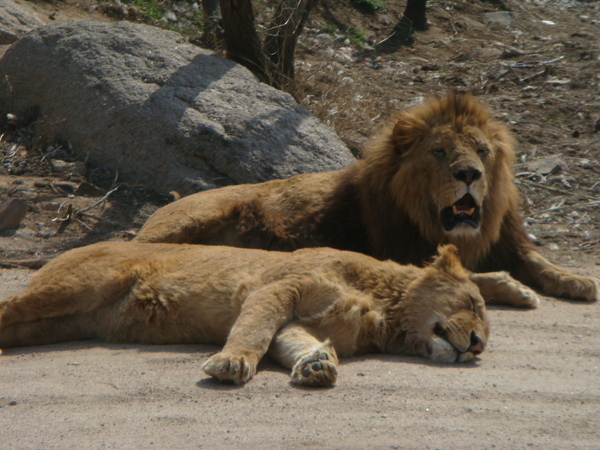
391,205
307,307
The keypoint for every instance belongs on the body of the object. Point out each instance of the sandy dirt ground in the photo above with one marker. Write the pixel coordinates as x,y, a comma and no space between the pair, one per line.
536,386
538,383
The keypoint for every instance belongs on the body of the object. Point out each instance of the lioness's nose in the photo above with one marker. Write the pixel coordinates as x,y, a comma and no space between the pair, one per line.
476,344
467,176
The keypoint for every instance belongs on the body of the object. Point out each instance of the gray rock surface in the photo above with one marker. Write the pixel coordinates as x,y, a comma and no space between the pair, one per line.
161,111
15,20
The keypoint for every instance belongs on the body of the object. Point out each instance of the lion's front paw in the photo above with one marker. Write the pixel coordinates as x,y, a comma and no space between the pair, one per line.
575,287
318,368
231,368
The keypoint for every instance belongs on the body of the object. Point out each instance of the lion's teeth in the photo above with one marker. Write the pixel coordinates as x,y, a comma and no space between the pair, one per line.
456,211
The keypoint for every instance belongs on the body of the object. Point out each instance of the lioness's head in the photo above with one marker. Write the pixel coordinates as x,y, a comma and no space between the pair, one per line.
440,162
443,315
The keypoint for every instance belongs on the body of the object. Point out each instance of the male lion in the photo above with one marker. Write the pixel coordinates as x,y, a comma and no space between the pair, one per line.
305,307
439,173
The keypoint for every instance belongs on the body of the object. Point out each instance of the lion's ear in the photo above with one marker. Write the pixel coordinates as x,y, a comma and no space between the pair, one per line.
449,261
408,128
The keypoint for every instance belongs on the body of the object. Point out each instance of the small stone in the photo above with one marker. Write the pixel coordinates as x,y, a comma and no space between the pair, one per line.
511,52
502,18
12,212
86,189
546,166
77,167
12,119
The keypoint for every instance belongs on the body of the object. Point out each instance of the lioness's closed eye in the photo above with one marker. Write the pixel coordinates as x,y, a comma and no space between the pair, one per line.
307,308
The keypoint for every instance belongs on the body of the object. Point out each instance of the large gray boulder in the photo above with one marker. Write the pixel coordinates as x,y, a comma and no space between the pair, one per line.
16,19
159,110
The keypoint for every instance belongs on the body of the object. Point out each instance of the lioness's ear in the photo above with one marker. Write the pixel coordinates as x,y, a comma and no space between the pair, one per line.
449,261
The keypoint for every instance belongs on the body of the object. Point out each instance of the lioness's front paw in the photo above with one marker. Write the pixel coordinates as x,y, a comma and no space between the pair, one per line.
317,368
230,368
524,297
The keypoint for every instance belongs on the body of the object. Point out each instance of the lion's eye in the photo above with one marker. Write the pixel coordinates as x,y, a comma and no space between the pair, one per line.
438,152
482,151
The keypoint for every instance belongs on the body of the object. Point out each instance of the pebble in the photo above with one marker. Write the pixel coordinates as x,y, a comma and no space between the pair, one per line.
12,212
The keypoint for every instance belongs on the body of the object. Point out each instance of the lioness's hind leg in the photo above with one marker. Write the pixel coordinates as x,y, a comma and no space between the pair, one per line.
47,331
499,288
316,368
313,362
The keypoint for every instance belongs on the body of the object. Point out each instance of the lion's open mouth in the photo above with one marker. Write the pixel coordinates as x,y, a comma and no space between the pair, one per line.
465,210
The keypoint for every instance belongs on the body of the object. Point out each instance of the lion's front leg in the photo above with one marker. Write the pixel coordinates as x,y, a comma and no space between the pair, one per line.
501,289
262,314
313,362
557,282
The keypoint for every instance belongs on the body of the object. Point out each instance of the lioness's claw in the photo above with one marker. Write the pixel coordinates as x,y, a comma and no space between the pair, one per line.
228,368
315,369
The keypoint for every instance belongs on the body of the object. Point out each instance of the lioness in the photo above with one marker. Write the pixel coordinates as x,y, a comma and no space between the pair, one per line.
439,173
305,307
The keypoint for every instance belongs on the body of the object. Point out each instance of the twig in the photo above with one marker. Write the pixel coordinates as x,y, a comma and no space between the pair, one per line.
98,202
102,219
532,184
548,188
580,205
83,224
589,243
68,214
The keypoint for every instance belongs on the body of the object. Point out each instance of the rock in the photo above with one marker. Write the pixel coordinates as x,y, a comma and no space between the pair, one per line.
324,40
511,52
77,167
500,72
546,166
500,17
89,190
474,23
160,111
16,19
12,212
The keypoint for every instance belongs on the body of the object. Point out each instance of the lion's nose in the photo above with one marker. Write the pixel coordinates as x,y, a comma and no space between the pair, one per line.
476,344
467,176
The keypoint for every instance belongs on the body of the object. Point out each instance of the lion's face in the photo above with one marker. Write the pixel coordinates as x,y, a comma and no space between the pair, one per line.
444,314
456,164
441,164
